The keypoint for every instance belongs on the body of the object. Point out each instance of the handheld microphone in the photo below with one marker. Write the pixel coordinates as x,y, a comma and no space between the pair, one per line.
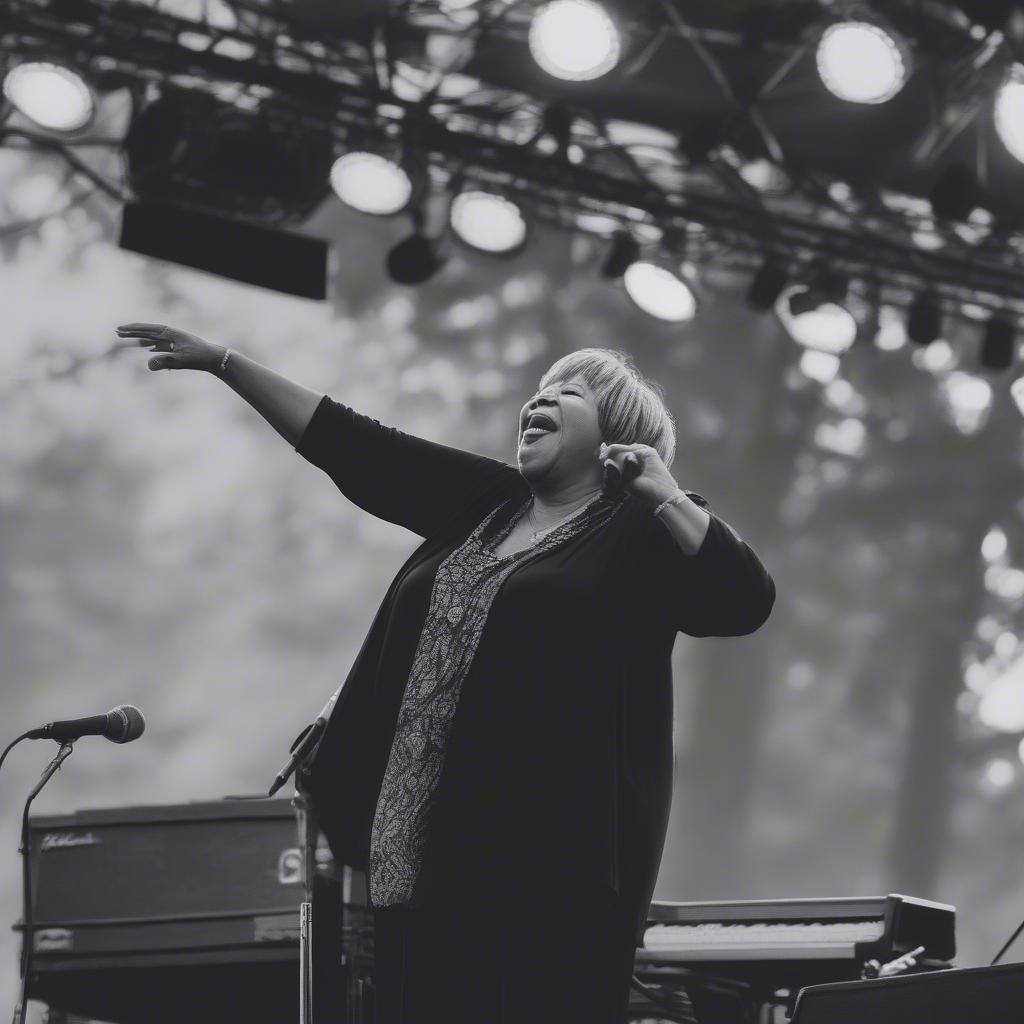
305,743
119,725
614,479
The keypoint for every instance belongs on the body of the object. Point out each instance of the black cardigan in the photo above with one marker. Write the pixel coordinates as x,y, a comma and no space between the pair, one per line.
560,759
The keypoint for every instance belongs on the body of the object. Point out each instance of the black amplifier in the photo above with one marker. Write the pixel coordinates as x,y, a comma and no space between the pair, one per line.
169,913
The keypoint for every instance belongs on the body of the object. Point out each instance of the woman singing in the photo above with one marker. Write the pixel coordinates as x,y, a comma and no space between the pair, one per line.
499,761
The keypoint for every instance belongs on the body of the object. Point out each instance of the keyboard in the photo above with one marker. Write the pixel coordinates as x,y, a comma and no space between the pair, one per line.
805,939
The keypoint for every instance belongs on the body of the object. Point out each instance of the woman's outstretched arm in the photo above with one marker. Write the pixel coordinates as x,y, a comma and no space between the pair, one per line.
285,405
398,477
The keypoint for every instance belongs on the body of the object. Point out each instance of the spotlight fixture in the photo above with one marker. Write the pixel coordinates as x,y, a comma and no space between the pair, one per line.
815,322
824,287
954,194
860,62
574,40
192,149
659,292
766,286
699,138
557,122
52,95
1017,394
1008,112
371,183
415,259
624,251
488,222
924,319
998,342
766,177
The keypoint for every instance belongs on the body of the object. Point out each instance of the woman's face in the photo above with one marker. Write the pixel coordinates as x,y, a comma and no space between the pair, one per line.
567,454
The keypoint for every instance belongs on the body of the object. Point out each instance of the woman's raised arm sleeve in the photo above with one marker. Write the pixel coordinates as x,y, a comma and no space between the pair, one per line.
722,589
395,476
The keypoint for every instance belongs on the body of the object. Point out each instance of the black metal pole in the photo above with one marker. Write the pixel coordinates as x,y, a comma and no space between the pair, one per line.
26,879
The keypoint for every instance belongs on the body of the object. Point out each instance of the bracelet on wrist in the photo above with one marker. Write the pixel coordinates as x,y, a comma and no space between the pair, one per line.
673,499
224,360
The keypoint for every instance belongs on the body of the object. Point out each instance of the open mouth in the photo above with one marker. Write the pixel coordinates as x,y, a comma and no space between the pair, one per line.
537,427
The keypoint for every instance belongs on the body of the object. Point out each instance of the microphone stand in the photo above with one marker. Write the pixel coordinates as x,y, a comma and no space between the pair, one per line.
26,879
308,832
303,750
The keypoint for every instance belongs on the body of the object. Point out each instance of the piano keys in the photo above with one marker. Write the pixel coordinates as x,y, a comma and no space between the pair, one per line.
796,941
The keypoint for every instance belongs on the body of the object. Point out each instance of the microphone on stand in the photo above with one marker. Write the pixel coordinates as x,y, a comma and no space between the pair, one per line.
305,743
119,725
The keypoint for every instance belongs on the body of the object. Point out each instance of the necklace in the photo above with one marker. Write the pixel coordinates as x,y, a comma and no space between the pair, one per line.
537,534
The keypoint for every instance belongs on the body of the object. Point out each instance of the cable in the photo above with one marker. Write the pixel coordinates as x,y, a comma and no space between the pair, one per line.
1007,945
677,1001
682,980
10,746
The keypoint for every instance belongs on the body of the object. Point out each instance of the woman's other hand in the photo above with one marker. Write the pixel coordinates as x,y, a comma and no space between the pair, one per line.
638,469
176,350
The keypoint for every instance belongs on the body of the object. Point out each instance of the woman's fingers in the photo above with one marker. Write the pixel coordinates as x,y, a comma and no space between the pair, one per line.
146,334
175,349
156,337
631,464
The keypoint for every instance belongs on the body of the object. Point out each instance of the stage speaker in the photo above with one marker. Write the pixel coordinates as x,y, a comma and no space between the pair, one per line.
970,995
164,914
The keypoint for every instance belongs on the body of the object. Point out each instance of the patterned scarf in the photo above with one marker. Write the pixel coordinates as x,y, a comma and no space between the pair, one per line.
466,583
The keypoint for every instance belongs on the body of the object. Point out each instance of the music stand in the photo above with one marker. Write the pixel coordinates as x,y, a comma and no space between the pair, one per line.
978,995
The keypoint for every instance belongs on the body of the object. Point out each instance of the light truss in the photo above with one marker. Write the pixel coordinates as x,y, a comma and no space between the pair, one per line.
396,73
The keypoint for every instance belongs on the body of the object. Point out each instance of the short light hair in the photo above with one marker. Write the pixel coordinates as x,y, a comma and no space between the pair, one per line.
631,408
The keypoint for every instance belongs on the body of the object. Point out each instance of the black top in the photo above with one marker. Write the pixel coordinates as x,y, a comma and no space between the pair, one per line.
559,760
465,586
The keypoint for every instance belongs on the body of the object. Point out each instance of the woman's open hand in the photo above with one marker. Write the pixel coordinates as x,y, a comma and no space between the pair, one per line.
638,469
176,349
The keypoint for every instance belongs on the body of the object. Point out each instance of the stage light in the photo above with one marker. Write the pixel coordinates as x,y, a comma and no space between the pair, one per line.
968,399
371,183
924,319
823,286
414,260
765,176
624,251
766,286
861,63
812,320
488,222
659,292
192,149
803,300
954,192
574,39
1017,394
1008,112
53,96
998,343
